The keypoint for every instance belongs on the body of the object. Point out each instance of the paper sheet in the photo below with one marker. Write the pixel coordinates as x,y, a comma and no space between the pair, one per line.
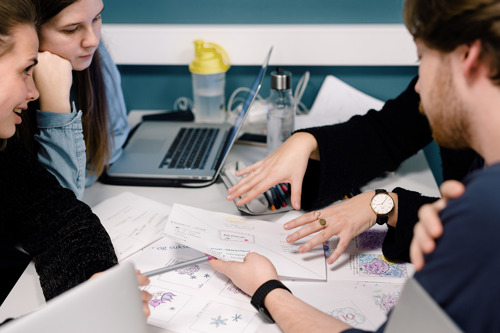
132,221
195,298
231,237
336,102
363,260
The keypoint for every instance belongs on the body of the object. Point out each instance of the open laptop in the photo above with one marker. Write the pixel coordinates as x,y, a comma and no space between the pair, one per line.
165,153
416,311
107,303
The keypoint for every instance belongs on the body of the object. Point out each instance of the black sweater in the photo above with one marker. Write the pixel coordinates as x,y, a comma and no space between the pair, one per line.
66,240
365,147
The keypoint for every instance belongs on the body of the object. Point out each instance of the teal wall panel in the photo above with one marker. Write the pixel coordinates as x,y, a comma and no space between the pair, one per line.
252,11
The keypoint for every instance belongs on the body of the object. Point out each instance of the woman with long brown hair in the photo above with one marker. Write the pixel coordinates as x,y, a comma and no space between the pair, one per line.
79,124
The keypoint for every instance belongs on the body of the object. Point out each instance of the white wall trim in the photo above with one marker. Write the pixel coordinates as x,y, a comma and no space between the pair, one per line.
309,45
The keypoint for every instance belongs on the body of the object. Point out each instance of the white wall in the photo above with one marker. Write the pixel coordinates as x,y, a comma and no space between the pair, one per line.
325,45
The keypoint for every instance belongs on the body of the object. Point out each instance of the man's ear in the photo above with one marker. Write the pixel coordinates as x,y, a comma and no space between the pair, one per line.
471,62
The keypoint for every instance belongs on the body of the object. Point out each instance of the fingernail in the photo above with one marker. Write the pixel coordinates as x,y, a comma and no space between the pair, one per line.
289,239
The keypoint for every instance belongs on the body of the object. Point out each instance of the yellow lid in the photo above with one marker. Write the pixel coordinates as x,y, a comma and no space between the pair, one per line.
210,58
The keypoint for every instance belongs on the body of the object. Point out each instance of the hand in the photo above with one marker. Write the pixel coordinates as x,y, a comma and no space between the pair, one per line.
346,220
53,79
287,164
145,296
429,226
248,275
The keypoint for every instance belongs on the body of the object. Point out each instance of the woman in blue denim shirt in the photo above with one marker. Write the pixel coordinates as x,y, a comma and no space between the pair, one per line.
79,124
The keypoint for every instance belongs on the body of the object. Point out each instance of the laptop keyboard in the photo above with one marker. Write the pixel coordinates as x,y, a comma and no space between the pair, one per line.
190,148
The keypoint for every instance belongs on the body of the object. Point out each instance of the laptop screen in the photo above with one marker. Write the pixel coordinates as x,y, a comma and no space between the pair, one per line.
231,138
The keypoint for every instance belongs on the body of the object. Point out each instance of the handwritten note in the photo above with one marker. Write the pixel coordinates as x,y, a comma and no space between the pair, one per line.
132,221
231,237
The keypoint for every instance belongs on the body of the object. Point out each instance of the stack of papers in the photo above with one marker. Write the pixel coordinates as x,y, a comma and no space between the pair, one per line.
231,237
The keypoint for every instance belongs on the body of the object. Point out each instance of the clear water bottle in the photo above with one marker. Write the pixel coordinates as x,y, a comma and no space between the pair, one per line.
280,110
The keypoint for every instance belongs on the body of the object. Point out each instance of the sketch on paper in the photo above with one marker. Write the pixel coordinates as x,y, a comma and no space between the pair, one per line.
386,301
218,317
193,276
165,302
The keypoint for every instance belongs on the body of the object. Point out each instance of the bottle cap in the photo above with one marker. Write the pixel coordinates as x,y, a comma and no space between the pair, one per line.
210,58
281,80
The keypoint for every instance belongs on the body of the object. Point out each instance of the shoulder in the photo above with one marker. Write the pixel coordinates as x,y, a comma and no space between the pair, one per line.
478,207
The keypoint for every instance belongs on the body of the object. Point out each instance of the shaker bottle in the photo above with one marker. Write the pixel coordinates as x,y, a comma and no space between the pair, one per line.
280,110
208,71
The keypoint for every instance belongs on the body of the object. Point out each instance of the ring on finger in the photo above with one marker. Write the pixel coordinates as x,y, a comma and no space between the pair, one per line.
317,214
322,222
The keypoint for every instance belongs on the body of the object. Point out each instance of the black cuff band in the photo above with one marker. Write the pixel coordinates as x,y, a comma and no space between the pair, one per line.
261,293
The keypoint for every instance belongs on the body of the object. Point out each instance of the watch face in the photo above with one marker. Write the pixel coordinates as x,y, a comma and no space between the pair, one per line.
382,203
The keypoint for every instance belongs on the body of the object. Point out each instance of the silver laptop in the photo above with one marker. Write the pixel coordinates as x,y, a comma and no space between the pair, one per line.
107,303
165,153
416,312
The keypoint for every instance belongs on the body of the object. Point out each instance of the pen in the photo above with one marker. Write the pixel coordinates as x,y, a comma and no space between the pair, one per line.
280,201
271,204
177,266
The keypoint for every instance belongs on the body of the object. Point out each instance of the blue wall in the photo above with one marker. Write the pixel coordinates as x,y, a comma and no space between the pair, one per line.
253,11
157,87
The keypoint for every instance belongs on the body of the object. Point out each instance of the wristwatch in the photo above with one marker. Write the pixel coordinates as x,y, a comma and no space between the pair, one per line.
382,204
261,293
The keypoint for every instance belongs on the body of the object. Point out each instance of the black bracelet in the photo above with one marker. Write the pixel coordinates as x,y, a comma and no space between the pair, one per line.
261,293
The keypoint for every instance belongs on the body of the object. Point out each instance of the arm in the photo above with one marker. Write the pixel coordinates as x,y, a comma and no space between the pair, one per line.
429,227
67,241
61,145
290,313
363,148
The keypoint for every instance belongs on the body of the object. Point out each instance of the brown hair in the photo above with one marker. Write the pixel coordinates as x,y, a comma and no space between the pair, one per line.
90,98
13,13
446,24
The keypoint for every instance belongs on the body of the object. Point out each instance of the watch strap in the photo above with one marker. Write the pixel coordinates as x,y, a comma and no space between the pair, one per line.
382,219
260,294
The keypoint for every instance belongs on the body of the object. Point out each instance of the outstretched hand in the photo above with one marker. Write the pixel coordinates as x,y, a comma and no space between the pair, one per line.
346,219
287,164
429,226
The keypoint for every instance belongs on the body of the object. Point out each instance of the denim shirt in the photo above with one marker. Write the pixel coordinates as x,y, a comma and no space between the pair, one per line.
62,147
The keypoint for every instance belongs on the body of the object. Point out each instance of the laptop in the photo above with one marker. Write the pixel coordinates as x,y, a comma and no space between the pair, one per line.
107,303
416,311
165,153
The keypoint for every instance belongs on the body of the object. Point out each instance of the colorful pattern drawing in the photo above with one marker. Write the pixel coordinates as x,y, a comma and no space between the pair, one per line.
378,265
386,301
348,315
161,297
371,239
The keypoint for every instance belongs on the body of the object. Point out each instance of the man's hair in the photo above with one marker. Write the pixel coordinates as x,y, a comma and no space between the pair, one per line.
446,24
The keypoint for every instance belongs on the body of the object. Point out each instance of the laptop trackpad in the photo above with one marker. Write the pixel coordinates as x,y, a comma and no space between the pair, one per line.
147,145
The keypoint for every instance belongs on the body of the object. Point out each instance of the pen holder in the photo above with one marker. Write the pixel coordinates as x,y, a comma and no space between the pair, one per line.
275,200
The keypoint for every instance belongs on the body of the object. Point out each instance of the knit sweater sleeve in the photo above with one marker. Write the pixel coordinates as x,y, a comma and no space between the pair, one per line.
66,239
363,148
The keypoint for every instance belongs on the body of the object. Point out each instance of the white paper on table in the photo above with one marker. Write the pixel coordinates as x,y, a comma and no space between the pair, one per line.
231,237
132,221
193,299
363,260
336,102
